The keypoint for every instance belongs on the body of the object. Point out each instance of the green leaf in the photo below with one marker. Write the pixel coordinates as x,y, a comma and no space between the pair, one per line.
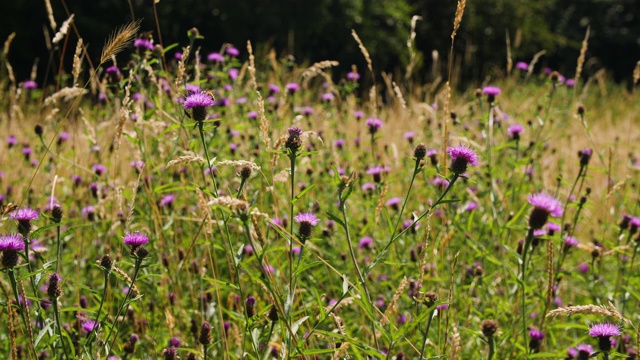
336,219
296,325
302,193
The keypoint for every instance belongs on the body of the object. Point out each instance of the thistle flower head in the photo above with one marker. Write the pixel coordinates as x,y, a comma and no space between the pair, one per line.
205,337
306,221
24,214
54,290
604,332
544,206
374,124
514,131
198,103
11,242
461,157
135,240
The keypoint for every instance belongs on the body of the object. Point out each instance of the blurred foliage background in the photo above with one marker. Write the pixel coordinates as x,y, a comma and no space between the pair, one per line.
317,30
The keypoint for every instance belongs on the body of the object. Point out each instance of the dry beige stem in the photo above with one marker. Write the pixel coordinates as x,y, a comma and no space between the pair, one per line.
7,43
52,20
77,62
363,49
65,94
583,53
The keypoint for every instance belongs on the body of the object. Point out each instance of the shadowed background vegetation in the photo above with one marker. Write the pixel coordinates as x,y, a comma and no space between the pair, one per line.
320,30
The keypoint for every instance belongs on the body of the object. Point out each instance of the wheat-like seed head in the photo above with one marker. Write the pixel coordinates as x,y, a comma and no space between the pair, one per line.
636,73
458,17
264,122
509,58
119,40
380,206
189,158
63,30
608,310
65,94
252,66
394,300
7,44
534,61
52,20
364,51
239,163
583,53
77,62
339,354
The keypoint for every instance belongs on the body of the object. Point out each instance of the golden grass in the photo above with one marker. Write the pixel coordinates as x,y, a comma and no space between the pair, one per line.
119,40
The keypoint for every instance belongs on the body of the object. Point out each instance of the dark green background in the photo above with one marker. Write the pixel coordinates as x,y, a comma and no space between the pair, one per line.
319,30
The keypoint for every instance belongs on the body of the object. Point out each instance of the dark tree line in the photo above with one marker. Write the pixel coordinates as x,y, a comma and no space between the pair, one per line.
315,30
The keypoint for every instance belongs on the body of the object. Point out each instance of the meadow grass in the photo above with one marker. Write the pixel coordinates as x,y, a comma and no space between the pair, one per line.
224,164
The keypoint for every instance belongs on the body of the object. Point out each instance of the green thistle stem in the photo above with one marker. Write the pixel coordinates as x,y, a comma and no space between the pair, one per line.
56,314
122,305
426,334
523,278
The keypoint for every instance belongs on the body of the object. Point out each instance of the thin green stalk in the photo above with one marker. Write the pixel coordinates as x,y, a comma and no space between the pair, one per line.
206,152
525,248
426,334
289,306
345,219
104,294
492,193
14,287
492,345
122,305
454,178
56,314
416,170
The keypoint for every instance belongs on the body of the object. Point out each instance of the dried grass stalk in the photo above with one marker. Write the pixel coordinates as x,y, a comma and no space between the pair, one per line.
65,94
7,44
196,66
52,20
124,112
396,89
455,342
458,17
383,195
413,54
339,354
63,30
317,69
125,276
264,122
182,67
77,62
119,40
231,203
189,158
252,66
583,53
12,77
636,73
608,310
394,300
450,296
363,50
509,57
132,202
534,61
239,163
47,38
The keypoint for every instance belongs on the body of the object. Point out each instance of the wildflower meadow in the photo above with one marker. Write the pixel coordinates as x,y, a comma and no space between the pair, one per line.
182,202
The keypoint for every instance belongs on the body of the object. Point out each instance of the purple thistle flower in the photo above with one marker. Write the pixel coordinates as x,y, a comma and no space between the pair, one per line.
231,51
167,200
583,268
30,85
90,325
409,135
570,83
339,143
292,87
471,206
521,65
394,202
11,242
215,57
198,104
570,241
461,157
233,74
353,75
604,332
584,349
306,221
491,91
374,124
327,97
143,43
544,205
365,243
89,212
24,214
99,169
252,115
274,89
358,114
368,186
514,131
135,240
376,171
